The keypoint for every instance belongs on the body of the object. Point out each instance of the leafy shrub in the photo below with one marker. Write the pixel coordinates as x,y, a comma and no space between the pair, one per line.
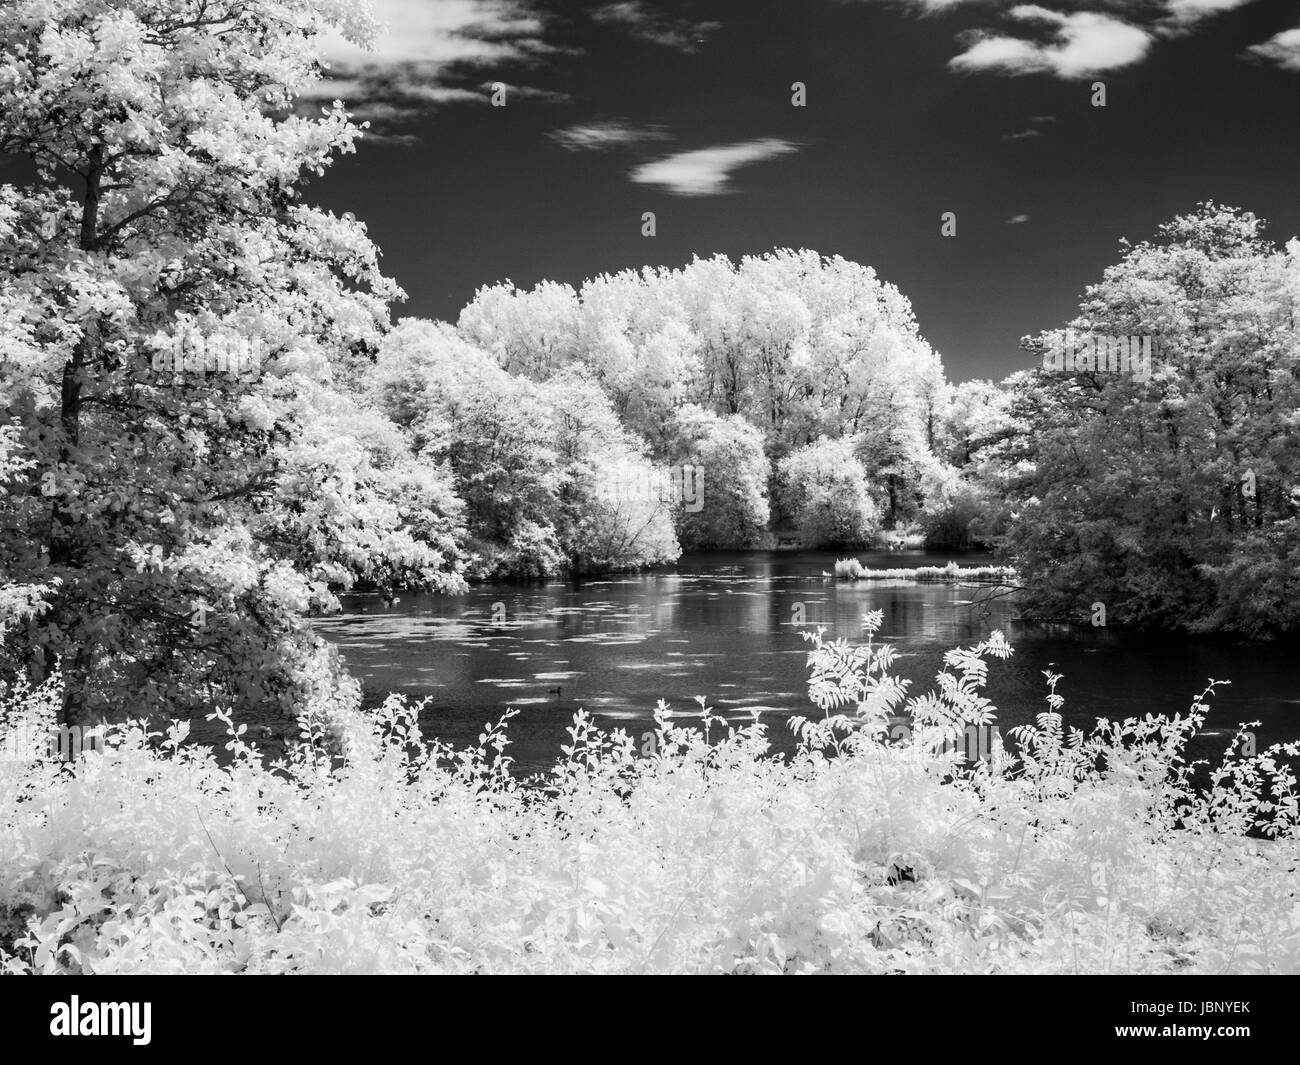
367,850
824,488
950,520
850,569
732,511
534,463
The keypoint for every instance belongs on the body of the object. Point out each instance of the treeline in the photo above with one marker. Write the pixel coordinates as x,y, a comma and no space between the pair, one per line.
1167,492
797,385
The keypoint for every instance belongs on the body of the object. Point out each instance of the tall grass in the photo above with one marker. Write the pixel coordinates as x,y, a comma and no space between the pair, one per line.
852,569
371,849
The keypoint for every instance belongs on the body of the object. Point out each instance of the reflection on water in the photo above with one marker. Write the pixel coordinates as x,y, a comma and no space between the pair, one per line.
726,626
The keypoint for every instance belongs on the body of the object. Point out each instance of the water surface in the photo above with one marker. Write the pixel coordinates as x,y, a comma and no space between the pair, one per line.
726,626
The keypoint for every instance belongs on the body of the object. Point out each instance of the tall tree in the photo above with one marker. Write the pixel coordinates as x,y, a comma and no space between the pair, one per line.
169,522
1170,494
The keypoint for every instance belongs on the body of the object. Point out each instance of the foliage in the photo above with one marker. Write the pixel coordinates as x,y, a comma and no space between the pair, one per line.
491,431
824,490
617,507
732,511
1174,500
954,513
697,852
852,569
162,533
550,479
975,417
800,345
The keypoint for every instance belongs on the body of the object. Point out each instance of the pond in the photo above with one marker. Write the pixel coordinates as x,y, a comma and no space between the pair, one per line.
726,626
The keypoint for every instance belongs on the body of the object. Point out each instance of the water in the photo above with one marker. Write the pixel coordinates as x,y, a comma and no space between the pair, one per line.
724,626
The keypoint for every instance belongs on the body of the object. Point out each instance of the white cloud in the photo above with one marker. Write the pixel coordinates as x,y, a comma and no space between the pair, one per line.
931,7
647,25
1085,43
707,171
1093,35
424,52
524,92
442,34
600,136
1178,11
1022,135
1185,12
1283,49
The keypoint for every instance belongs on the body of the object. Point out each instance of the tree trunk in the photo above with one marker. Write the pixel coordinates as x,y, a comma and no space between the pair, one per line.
64,552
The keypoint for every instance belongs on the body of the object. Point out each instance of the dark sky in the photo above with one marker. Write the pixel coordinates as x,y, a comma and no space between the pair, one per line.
1203,102
890,139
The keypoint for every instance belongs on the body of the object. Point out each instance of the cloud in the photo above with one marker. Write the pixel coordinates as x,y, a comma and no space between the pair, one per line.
524,92
1189,12
707,171
1283,49
427,54
647,25
441,35
1017,219
1092,36
1022,135
601,136
1085,43
1183,12
934,7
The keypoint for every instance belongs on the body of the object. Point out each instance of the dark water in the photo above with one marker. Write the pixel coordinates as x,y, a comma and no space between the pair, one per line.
724,625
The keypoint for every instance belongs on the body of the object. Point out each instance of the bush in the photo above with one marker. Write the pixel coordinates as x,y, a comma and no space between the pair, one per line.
823,488
950,521
694,850
732,509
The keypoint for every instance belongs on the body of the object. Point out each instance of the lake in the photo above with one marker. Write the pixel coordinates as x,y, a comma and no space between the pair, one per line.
724,625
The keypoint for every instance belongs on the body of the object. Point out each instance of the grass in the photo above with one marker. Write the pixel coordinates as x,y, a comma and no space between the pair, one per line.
850,569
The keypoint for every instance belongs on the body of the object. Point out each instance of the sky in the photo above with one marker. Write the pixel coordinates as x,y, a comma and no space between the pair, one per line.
913,108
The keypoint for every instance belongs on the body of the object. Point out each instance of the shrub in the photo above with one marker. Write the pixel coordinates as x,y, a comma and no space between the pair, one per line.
950,521
850,569
823,488
367,849
732,511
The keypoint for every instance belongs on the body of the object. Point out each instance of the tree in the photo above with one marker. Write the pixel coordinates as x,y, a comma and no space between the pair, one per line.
824,489
1170,496
551,481
973,418
636,342
616,508
534,333
955,512
726,455
801,345
491,430
169,523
